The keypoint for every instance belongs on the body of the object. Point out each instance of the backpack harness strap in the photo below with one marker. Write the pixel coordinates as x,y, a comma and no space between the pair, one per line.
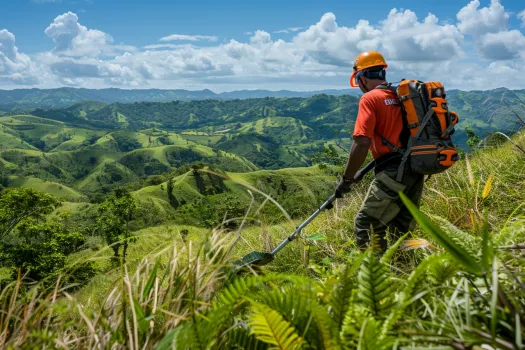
404,152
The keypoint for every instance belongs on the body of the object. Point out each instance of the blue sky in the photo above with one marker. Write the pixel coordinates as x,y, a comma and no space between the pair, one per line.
99,43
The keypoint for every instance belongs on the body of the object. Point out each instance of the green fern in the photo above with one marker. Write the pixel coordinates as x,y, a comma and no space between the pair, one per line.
352,323
369,336
241,339
241,286
412,287
387,257
375,285
342,291
270,327
442,270
300,307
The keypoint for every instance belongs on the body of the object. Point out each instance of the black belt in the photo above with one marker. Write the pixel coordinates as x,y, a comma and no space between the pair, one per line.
393,158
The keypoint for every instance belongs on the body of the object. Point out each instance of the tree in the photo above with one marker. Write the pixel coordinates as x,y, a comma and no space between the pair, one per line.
31,241
20,204
115,213
173,201
473,139
41,247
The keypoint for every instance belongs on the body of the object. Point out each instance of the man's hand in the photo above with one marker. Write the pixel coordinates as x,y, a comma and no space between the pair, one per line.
357,156
343,187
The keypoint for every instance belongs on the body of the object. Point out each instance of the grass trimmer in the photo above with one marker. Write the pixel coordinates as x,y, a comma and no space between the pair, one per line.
263,258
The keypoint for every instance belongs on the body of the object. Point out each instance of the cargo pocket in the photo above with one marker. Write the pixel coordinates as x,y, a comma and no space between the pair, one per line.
381,201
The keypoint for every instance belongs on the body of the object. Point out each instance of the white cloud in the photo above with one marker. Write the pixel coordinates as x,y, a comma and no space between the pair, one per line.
489,28
73,39
401,37
15,68
503,45
476,22
166,46
318,56
288,30
521,16
406,39
183,37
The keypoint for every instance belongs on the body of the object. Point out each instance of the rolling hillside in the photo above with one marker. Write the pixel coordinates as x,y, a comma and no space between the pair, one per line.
204,197
320,116
97,161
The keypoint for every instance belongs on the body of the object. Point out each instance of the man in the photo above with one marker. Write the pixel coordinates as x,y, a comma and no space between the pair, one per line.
379,127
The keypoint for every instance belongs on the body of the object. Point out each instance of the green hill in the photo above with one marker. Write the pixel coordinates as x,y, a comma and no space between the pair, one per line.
58,190
97,161
317,116
203,196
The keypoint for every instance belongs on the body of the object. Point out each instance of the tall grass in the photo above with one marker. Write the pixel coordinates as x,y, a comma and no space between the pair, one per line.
457,283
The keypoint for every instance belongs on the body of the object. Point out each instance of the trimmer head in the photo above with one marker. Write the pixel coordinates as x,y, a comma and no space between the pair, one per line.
255,258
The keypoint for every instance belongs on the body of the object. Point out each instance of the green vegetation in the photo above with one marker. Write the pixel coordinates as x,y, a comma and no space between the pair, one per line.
119,222
455,282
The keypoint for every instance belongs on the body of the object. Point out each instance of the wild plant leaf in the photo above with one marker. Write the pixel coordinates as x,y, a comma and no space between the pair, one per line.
369,336
413,284
241,339
456,251
387,257
494,300
270,327
486,246
151,281
342,291
316,237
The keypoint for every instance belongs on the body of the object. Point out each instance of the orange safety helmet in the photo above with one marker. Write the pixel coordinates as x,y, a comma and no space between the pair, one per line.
366,60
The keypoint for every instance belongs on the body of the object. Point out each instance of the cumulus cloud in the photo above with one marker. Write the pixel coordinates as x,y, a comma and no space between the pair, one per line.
15,68
476,22
73,39
521,16
401,36
183,37
503,45
420,47
489,28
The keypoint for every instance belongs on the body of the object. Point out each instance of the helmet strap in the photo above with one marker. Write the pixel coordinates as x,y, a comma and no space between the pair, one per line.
364,85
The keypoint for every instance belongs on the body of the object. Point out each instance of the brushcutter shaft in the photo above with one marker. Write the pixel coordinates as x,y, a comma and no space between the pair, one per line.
304,224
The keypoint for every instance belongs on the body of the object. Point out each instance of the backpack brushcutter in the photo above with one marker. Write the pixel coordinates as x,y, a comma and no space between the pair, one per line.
263,258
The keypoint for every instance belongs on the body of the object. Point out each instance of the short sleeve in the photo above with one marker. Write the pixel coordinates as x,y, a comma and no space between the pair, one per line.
366,118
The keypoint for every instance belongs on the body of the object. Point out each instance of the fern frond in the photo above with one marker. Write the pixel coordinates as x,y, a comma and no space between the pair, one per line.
238,289
464,239
369,336
375,285
270,327
327,328
342,291
300,307
241,339
352,323
387,257
442,270
412,287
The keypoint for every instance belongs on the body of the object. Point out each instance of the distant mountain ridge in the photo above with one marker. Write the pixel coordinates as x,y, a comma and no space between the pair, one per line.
27,99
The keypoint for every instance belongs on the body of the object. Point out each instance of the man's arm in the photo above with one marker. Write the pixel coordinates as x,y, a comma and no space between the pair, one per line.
357,156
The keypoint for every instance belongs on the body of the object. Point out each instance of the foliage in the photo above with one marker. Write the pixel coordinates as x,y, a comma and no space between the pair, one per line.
19,205
33,242
115,214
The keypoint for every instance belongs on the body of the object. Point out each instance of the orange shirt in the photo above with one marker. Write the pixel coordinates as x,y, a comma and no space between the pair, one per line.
379,114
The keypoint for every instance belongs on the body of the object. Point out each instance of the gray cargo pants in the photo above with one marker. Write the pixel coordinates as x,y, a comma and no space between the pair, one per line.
383,210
